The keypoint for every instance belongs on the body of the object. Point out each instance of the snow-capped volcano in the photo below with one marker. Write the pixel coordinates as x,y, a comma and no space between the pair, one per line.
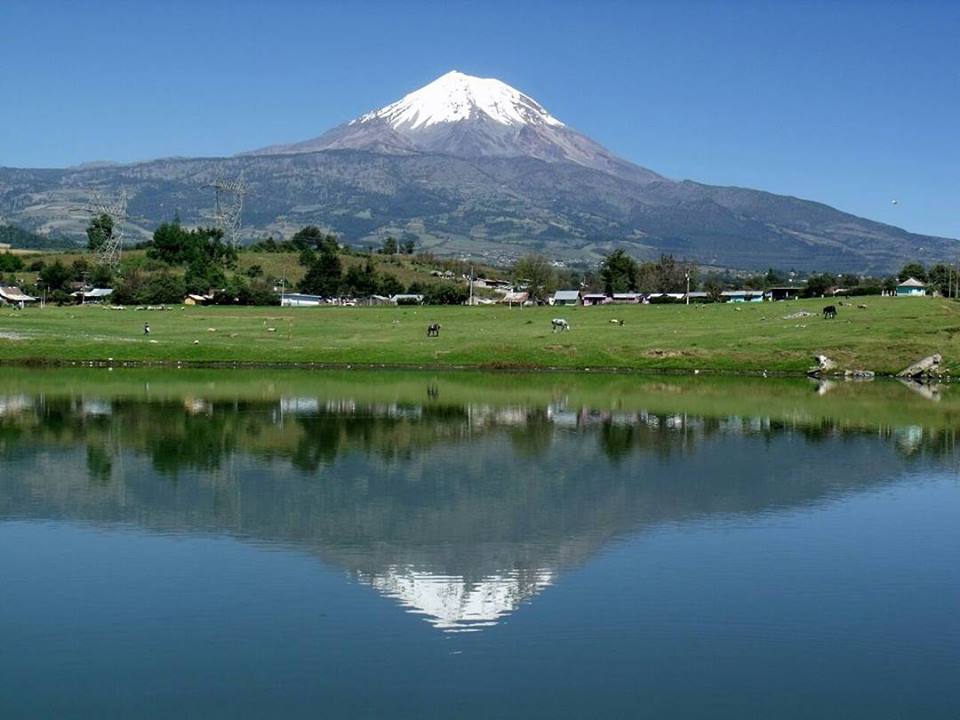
455,97
468,117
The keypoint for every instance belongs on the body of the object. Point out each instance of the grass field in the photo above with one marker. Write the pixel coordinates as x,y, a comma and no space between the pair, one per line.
884,337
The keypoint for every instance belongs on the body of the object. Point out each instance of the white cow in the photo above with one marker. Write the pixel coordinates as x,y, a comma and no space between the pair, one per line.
559,324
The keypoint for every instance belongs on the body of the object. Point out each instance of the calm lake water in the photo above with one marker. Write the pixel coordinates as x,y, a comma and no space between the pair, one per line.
410,546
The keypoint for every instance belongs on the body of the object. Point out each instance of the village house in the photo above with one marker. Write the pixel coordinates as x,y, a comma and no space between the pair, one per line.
595,299
911,287
783,293
194,299
739,296
515,298
407,299
300,300
566,297
14,296
94,295
629,298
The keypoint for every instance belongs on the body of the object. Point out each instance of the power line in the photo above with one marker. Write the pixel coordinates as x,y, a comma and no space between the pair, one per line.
110,252
229,207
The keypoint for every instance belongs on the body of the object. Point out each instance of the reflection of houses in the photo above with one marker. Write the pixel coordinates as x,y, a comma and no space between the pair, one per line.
14,404
911,287
300,405
95,407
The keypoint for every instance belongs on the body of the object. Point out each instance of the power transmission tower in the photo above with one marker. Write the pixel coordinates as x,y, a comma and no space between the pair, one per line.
229,208
110,252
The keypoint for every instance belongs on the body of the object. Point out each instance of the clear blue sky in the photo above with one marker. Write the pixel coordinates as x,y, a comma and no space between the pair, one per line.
850,103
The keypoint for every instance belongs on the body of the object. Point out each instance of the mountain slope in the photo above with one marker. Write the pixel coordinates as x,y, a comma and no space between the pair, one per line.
471,166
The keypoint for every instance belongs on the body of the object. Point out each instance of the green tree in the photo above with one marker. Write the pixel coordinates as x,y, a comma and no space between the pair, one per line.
99,231
390,247
912,269
389,285
536,275
79,269
714,288
54,277
10,262
619,273
175,245
324,275
940,278
445,294
774,278
361,280
408,246
101,276
203,275
162,288
818,285
314,238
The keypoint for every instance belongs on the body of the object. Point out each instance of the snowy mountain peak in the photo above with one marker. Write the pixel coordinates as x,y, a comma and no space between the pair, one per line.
455,97
468,117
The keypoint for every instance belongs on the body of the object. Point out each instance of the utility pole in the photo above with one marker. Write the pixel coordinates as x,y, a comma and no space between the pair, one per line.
688,287
471,285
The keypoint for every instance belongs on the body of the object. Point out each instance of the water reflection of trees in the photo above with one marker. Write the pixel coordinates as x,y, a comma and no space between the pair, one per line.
195,434
428,503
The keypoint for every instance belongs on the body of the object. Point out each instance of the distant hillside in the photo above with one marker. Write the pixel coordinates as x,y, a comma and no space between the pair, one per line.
22,239
472,167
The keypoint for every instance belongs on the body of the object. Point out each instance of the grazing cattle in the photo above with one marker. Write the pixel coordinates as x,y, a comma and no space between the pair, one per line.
616,321
559,324
830,311
433,330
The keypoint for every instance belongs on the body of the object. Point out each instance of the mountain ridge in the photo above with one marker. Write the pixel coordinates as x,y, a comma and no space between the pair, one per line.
472,167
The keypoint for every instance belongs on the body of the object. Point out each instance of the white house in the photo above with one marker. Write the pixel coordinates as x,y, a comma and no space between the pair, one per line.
911,287
566,297
300,300
14,296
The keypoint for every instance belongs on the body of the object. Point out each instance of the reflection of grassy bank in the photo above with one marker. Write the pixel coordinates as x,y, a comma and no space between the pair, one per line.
854,405
885,336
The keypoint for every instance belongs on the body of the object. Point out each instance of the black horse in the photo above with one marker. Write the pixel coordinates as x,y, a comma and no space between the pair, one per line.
433,330
830,311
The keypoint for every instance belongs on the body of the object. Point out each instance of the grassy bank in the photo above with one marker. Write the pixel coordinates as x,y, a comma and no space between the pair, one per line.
884,337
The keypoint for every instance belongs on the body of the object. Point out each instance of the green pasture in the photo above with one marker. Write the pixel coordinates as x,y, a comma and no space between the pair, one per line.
884,336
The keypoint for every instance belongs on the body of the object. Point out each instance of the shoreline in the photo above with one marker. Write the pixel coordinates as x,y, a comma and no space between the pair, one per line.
43,363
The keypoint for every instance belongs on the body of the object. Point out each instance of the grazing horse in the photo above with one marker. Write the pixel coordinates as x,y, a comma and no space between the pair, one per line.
559,324
433,330
830,311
